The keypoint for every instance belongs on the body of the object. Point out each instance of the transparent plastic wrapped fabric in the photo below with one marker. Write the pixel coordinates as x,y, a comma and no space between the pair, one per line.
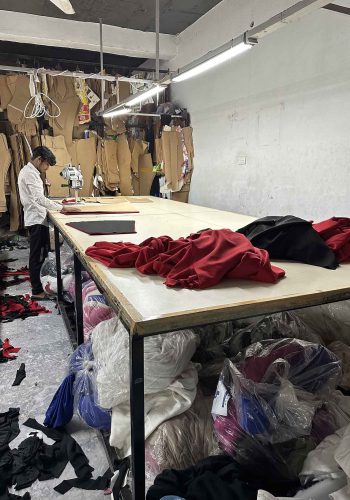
95,308
330,321
85,278
270,409
227,340
48,272
85,397
275,326
182,441
166,357
169,376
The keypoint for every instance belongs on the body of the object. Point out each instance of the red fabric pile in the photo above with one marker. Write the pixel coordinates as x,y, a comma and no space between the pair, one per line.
19,306
199,261
18,275
336,233
7,351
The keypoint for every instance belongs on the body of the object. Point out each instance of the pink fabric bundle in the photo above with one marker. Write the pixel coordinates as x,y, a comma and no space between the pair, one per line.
95,308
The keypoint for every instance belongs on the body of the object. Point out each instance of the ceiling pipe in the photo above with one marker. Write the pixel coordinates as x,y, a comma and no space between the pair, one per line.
72,74
103,82
157,40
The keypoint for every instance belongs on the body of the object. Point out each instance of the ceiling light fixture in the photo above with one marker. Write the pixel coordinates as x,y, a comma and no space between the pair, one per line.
212,59
143,96
64,5
116,112
133,100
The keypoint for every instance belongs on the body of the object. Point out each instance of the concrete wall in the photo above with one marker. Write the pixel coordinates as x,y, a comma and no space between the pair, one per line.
272,127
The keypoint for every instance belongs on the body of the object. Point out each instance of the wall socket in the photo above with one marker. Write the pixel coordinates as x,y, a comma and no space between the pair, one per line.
242,160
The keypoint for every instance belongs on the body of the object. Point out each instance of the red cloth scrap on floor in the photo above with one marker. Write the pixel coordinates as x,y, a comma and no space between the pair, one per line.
19,306
336,233
199,261
7,350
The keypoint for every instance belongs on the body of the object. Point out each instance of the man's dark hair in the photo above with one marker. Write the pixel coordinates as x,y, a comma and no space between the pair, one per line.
45,154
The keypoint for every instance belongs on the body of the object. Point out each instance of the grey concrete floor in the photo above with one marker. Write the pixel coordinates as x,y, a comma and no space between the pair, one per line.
45,350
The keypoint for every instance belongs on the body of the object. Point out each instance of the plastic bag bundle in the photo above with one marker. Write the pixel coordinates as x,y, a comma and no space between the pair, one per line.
166,357
48,272
270,409
95,308
71,284
229,340
84,390
276,326
330,321
182,441
170,379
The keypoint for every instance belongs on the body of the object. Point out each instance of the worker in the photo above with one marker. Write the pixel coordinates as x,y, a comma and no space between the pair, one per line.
35,206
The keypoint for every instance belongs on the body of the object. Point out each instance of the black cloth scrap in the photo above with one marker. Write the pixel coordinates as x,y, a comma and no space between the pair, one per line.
290,238
20,375
101,483
104,226
65,450
215,477
9,428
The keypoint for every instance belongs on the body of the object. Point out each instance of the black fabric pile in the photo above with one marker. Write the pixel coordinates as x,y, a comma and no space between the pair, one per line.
11,245
290,238
35,460
216,477
18,275
19,307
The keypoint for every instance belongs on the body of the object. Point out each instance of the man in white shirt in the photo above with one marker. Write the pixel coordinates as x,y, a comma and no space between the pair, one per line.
35,206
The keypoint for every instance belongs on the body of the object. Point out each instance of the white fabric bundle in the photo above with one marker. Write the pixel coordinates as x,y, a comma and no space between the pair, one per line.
170,377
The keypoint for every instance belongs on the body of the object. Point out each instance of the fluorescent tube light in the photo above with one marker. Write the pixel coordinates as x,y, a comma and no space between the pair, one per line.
124,107
116,112
143,96
64,5
213,61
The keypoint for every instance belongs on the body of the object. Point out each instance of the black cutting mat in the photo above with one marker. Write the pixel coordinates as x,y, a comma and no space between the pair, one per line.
97,227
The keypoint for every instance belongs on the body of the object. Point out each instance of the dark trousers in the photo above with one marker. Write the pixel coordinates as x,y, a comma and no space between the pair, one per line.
39,249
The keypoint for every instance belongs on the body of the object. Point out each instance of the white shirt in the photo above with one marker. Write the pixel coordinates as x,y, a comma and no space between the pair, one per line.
31,192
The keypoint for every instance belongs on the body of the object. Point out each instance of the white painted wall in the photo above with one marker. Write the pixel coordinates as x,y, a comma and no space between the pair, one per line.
285,107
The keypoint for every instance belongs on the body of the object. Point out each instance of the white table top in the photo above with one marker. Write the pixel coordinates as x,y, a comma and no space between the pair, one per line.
148,306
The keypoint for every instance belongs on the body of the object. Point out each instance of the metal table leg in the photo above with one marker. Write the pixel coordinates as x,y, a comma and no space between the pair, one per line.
58,265
137,411
78,301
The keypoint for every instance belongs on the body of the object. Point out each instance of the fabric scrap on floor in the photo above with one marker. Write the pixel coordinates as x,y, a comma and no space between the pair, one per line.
60,411
217,477
290,238
19,276
199,261
19,307
7,351
20,375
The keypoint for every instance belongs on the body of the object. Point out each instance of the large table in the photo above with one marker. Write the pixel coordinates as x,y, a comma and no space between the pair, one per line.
147,307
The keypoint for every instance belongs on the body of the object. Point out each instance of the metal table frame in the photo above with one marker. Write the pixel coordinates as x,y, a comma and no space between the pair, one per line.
136,360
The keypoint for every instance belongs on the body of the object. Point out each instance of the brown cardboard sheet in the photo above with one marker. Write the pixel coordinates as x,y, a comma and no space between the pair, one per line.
84,154
146,174
5,93
58,147
110,164
5,162
99,208
124,164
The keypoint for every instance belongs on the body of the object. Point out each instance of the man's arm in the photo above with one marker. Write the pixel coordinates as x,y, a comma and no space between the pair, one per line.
37,192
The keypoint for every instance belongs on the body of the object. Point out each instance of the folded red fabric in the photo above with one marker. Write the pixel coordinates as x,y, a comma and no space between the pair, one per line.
199,261
336,233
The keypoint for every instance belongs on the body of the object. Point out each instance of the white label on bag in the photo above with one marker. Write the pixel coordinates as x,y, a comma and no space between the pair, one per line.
221,399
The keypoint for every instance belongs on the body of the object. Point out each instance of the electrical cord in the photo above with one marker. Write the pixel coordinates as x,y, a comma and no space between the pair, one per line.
39,109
